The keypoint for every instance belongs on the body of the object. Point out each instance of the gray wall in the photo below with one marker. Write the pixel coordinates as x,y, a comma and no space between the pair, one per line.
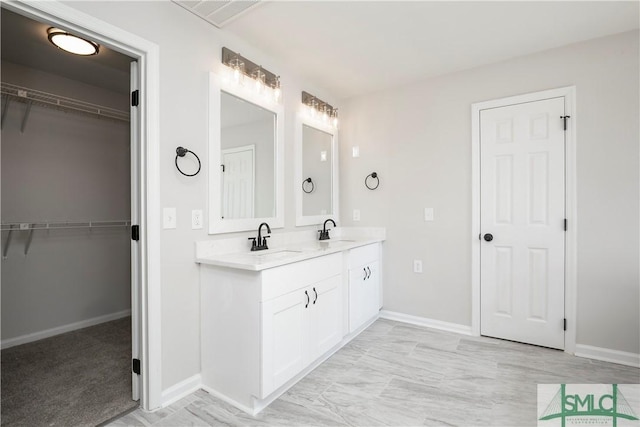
63,167
418,138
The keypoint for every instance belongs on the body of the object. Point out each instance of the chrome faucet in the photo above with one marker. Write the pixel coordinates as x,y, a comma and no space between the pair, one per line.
324,233
261,244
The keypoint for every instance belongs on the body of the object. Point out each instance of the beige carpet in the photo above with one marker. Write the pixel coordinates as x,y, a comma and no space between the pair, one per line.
80,378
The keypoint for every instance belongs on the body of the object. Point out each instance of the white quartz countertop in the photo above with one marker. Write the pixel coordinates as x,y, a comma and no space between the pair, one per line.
286,249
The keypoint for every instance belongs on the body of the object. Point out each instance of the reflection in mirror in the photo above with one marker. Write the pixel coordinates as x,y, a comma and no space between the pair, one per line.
247,155
317,159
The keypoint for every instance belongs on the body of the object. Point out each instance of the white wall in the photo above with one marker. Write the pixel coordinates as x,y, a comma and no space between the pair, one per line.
64,167
189,49
418,138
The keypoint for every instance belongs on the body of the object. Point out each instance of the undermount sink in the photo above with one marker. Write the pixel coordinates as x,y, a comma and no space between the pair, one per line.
273,255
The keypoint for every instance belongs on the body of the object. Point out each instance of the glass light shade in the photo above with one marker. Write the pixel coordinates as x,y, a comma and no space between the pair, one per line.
73,44
259,76
237,73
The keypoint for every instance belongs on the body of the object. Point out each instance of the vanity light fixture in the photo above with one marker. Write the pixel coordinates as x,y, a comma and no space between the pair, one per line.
264,82
71,43
318,109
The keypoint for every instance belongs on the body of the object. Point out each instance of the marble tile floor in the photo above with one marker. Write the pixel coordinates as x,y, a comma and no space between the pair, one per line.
394,374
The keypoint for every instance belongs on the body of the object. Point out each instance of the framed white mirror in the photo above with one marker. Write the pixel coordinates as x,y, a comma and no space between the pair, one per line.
246,161
316,186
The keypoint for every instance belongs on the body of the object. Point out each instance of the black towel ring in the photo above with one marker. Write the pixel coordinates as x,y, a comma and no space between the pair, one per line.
373,175
181,152
313,187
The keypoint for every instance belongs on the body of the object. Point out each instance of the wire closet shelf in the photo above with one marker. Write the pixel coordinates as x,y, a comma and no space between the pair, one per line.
31,97
10,227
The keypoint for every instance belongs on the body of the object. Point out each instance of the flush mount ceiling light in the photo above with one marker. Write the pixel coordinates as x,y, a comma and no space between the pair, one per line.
70,43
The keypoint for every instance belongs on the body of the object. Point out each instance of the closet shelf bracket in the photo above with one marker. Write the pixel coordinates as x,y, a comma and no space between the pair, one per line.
5,250
28,244
26,116
7,101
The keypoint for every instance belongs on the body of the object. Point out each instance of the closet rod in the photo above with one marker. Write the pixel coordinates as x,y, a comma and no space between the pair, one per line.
32,226
37,97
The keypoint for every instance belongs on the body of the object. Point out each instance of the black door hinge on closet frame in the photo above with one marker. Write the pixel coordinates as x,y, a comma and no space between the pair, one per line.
564,118
135,232
135,366
564,325
135,98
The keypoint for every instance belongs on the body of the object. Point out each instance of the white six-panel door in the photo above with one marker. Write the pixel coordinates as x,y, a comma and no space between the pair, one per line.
522,212
238,182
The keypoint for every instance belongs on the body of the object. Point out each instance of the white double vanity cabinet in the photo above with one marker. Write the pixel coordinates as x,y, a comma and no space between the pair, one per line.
269,317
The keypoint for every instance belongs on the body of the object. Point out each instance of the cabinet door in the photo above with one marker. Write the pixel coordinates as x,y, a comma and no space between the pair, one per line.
283,334
364,294
325,317
372,290
357,297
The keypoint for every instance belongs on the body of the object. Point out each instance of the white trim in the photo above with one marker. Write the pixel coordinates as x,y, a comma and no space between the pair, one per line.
301,219
426,322
36,336
230,401
217,84
147,54
181,390
608,355
569,94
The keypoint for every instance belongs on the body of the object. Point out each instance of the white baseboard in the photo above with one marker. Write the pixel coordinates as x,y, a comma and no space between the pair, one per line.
608,355
36,336
181,390
428,323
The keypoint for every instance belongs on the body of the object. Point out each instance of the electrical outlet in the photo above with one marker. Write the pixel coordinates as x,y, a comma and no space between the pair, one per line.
355,151
356,214
169,218
417,266
196,219
428,214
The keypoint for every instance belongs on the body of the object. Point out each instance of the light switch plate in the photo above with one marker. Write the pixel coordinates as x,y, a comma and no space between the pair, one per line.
356,214
196,219
417,266
355,151
323,156
428,214
169,218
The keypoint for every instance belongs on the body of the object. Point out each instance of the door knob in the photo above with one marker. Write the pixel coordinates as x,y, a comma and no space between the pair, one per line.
488,237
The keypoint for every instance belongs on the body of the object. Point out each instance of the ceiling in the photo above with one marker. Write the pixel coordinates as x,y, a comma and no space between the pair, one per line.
356,47
24,42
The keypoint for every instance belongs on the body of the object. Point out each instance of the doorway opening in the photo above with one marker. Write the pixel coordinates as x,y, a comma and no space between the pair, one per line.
70,273
532,204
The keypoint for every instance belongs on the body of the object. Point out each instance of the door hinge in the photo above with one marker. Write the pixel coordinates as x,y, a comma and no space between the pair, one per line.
565,224
135,232
222,168
564,324
135,98
564,118
135,366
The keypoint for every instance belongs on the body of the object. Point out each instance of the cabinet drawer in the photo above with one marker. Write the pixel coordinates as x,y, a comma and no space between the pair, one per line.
287,278
363,255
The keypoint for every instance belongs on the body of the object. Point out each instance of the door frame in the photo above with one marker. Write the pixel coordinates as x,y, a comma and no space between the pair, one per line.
148,199
570,287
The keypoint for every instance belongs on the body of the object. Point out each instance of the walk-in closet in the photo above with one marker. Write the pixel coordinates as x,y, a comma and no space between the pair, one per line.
66,230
